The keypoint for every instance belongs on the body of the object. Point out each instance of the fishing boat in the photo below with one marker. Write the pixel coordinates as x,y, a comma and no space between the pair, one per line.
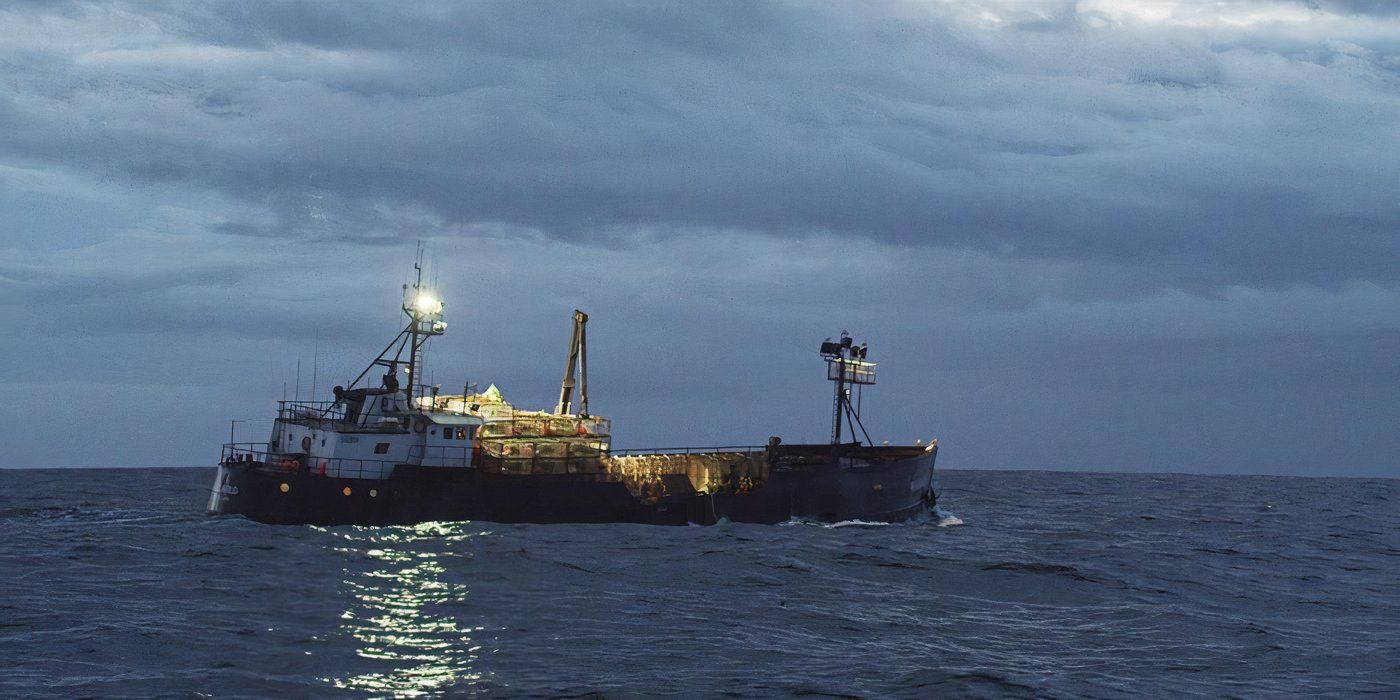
399,452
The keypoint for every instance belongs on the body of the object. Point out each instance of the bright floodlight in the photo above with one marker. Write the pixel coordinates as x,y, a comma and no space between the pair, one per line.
425,303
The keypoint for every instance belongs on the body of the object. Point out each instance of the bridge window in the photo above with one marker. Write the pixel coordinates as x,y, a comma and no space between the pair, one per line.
381,448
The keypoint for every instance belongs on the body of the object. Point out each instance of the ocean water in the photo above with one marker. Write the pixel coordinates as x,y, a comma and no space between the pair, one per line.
114,583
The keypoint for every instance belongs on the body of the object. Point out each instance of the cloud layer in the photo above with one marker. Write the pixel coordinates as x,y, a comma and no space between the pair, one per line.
1089,231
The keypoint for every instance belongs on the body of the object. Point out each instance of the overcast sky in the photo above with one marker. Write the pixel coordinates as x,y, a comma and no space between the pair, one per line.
1113,235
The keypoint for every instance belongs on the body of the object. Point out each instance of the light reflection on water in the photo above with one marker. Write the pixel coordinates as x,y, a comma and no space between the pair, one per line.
400,616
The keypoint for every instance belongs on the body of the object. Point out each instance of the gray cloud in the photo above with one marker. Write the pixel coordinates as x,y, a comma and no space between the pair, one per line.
907,125
1053,217
1382,8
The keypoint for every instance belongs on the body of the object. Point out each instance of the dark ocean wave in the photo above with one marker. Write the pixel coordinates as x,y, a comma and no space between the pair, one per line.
1043,584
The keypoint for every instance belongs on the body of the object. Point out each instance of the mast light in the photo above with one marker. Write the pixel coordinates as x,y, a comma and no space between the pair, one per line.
427,304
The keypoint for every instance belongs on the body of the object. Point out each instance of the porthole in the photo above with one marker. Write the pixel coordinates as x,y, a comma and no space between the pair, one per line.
285,488
373,493
346,490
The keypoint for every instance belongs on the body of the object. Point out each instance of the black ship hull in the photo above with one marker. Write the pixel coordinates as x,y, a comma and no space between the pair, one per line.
823,483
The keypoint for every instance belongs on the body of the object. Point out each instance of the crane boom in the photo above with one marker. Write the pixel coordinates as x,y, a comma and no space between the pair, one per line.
578,359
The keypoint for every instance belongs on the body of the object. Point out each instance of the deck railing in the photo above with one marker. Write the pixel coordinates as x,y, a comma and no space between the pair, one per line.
257,453
440,456
506,456
687,450
312,410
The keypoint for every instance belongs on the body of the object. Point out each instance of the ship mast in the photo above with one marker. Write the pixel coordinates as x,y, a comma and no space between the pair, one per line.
425,321
424,312
846,365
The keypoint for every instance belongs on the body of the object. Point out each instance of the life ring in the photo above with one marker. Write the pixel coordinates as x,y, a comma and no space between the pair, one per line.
420,425
306,444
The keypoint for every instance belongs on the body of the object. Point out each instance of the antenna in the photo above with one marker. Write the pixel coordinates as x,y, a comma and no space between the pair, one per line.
315,364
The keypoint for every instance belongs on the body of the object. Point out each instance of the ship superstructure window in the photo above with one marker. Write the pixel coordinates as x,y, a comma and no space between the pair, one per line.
381,448
458,433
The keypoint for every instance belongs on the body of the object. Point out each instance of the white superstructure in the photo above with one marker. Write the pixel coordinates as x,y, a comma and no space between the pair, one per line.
367,432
